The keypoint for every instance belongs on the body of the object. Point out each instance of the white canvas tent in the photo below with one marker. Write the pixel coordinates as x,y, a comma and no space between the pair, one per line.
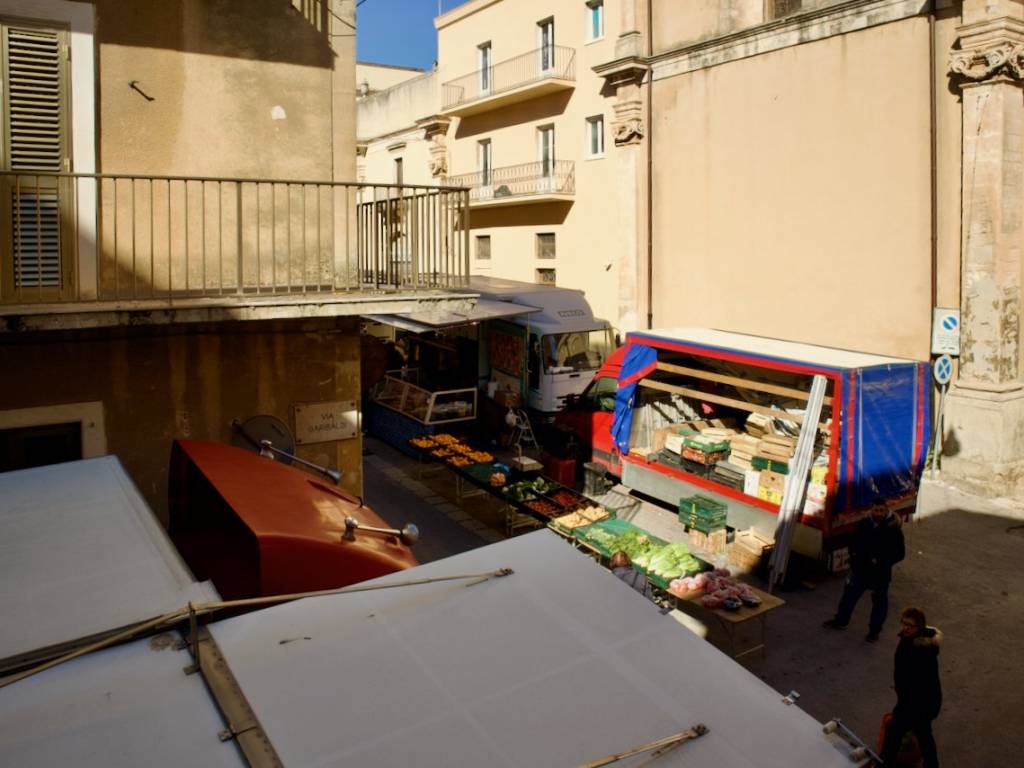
556,664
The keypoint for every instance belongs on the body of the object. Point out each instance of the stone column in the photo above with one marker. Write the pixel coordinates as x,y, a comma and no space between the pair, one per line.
625,77
984,443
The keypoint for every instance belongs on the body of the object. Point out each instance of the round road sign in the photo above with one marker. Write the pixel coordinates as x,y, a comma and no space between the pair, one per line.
943,369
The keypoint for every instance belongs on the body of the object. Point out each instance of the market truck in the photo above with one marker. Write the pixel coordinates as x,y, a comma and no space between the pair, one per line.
706,412
541,343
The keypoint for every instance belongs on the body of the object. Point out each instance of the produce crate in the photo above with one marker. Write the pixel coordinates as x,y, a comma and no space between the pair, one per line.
482,472
714,543
772,465
705,445
702,513
749,551
581,518
543,507
567,498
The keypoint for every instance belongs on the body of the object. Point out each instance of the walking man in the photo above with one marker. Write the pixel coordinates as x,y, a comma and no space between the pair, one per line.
918,692
877,546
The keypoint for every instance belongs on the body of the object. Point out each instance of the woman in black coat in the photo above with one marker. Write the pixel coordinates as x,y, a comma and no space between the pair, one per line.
918,692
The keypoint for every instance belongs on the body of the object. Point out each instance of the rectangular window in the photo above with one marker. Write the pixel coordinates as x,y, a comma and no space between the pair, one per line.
483,55
25,447
546,245
483,161
546,44
546,276
595,19
35,123
595,136
483,247
778,8
398,170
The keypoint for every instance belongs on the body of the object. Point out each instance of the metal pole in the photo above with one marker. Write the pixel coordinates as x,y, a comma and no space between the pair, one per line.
938,430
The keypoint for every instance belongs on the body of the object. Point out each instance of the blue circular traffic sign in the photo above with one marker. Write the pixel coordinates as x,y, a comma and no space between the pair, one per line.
943,369
949,322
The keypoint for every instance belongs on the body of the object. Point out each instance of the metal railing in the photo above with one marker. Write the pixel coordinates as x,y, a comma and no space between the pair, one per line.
554,61
557,177
107,237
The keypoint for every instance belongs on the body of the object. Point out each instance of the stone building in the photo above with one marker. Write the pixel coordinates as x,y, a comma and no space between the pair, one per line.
516,113
182,238
823,171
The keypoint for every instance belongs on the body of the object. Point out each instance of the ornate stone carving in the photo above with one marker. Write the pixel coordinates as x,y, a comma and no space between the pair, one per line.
435,130
629,131
979,64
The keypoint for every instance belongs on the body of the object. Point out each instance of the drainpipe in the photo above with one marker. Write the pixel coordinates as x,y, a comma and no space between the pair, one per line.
934,141
650,169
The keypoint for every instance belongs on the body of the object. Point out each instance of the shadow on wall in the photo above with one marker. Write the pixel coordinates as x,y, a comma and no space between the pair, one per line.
536,214
286,31
527,112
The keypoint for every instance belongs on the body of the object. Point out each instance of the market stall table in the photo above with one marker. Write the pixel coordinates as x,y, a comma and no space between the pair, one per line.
730,620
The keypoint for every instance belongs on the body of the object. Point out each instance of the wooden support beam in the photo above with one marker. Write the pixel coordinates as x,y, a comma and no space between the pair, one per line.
731,402
757,386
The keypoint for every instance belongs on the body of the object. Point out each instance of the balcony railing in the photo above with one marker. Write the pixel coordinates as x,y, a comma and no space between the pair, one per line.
529,179
117,238
552,62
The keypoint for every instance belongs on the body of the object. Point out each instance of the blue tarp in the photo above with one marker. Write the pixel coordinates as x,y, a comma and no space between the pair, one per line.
640,360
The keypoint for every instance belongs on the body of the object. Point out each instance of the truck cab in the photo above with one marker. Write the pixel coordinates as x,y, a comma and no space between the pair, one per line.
590,414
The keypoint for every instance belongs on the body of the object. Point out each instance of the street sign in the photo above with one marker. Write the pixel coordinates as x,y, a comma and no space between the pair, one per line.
943,369
946,331
326,422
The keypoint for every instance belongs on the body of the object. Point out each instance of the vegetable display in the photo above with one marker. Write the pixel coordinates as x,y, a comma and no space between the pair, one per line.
525,490
668,562
633,542
721,591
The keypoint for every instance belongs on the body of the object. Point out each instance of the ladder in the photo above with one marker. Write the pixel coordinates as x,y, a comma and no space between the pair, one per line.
522,431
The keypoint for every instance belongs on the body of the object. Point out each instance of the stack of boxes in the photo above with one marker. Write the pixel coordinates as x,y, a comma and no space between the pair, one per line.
705,519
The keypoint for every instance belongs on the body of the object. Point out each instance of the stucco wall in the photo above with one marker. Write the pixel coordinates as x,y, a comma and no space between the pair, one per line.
587,240
162,384
236,89
398,107
792,193
380,77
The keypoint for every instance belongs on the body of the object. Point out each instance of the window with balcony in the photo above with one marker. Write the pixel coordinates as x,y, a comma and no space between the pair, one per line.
595,136
483,247
546,156
483,62
595,20
546,245
34,80
546,44
545,276
399,173
776,9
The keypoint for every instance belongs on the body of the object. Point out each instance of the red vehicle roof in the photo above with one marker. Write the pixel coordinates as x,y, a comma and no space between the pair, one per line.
256,526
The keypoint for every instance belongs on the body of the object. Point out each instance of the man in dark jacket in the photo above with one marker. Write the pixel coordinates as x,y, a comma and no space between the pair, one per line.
877,546
918,692
622,567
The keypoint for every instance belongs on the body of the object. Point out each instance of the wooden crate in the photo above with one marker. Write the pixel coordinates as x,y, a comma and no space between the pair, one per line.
712,543
748,551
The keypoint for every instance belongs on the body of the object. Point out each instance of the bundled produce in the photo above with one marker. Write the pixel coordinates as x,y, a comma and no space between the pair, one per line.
445,439
498,479
543,507
423,442
525,490
582,516
669,561
718,587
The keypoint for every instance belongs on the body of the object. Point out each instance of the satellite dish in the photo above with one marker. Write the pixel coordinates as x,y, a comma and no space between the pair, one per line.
250,433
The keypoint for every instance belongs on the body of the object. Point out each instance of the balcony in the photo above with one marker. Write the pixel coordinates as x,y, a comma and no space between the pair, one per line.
520,184
92,250
528,76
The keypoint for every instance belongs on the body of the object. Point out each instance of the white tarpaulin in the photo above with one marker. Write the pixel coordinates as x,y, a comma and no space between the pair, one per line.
80,554
555,665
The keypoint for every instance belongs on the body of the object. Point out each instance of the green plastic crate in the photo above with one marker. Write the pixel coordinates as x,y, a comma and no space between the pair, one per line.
772,465
705,445
701,510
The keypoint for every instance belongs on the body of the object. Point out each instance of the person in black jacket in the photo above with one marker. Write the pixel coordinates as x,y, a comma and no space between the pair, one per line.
622,567
918,692
877,546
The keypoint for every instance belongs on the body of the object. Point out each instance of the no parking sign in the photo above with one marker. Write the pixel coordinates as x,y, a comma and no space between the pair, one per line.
946,331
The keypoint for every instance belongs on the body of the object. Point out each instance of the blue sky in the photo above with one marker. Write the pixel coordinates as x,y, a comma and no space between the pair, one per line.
398,31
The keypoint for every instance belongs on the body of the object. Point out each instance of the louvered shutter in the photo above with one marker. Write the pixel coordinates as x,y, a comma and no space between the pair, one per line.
35,142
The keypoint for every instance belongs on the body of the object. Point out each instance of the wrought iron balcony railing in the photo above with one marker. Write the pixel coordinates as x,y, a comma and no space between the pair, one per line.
553,178
550,62
118,238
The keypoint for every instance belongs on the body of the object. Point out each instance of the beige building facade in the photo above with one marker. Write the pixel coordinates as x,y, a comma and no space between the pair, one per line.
516,113
184,240
828,171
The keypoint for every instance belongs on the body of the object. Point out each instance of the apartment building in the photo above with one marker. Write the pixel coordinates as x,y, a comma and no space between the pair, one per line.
516,114
182,237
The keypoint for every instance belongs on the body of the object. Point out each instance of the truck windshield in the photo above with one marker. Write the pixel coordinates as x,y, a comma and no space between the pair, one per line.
580,351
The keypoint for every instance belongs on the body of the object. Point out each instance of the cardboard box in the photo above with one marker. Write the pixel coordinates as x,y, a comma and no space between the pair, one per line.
773,481
751,482
508,398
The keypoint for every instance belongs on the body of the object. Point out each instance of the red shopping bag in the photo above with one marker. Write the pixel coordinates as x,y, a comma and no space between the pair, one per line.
909,754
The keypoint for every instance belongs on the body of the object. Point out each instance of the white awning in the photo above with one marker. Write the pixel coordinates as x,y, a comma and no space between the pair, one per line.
485,309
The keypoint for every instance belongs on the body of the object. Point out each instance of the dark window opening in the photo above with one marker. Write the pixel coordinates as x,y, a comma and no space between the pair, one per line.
24,447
